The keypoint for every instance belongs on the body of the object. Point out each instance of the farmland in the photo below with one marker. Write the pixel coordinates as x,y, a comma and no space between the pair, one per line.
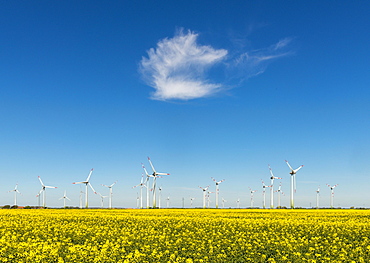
184,235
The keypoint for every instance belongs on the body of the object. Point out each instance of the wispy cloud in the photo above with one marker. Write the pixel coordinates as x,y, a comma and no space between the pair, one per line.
177,67
254,62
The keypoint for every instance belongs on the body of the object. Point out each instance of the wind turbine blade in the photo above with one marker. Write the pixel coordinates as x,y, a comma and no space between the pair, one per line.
113,184
92,188
41,181
289,165
162,173
78,183
88,177
46,186
105,185
68,198
151,165
296,170
272,175
146,172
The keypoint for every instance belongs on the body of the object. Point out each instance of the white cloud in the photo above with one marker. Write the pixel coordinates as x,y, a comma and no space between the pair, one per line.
255,62
176,68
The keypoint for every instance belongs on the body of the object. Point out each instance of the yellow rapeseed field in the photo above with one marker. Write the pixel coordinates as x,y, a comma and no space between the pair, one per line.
184,235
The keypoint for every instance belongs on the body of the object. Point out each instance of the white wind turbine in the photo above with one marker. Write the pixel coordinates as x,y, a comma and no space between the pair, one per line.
191,202
160,196
204,195
223,202
102,199
209,198
15,190
43,188
110,192
148,176
272,188
155,174
332,194
81,193
264,193
292,183
64,197
142,184
168,201
217,190
252,195
238,203
87,183
279,195
317,196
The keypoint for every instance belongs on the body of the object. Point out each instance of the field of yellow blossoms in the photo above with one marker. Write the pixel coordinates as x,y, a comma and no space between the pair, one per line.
184,235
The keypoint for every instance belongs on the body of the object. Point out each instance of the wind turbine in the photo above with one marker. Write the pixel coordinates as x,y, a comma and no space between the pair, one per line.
292,183
209,197
168,201
43,188
238,203
191,202
252,195
81,193
155,174
272,188
332,194
87,183
110,192
217,190
15,190
317,197
64,197
279,195
264,193
223,202
147,186
102,199
142,184
204,195
160,196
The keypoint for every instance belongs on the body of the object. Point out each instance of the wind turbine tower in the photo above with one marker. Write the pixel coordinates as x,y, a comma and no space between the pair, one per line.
292,183
87,184
272,188
217,190
332,195
110,192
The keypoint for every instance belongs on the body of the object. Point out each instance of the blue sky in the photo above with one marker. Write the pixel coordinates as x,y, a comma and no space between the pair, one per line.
206,89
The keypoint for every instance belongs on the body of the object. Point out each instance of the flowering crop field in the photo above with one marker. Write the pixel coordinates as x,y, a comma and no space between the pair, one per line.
184,235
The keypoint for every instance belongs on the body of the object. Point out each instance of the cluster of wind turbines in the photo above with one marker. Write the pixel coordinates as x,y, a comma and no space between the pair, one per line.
146,183
64,197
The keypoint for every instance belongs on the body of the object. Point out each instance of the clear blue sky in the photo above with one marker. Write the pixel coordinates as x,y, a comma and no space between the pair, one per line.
205,88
